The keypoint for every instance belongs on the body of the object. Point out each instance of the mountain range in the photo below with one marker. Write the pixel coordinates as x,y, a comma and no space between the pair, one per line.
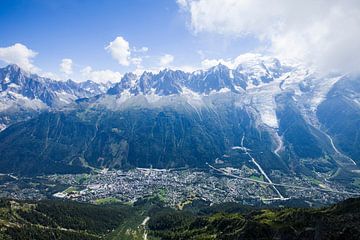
23,93
289,117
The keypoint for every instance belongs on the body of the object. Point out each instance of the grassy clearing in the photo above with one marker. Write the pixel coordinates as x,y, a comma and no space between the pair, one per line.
108,200
70,190
258,178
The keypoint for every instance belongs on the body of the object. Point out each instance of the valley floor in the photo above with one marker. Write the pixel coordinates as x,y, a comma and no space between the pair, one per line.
177,188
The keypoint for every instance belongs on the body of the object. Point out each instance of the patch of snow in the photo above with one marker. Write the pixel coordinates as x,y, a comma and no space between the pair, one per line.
2,127
6,79
224,90
13,85
125,95
322,87
269,118
193,98
262,98
65,97
221,90
231,73
153,97
22,101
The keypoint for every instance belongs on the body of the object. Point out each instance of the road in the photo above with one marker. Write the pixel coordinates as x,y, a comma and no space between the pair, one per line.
259,167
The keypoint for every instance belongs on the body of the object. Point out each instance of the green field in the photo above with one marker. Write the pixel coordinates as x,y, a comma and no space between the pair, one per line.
107,200
258,178
70,189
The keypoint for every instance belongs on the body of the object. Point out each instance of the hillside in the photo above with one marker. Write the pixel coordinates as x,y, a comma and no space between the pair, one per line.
70,220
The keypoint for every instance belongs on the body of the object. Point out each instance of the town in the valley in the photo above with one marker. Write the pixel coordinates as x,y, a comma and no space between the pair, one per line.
177,187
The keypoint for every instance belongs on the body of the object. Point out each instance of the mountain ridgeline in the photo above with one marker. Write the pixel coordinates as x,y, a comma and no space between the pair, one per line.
291,118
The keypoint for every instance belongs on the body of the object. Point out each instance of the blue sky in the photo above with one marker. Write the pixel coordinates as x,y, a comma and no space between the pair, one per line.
102,40
80,30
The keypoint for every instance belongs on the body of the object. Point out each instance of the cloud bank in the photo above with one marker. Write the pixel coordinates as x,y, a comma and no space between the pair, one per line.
21,55
321,32
165,60
120,50
66,66
100,76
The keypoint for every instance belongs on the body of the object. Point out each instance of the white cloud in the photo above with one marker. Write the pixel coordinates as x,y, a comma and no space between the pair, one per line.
141,50
322,32
208,63
144,49
232,63
66,66
21,55
166,59
136,60
182,3
120,50
101,76
186,68
50,75
140,70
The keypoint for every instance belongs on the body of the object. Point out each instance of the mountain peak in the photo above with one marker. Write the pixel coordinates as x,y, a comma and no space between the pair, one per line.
220,67
129,75
14,68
